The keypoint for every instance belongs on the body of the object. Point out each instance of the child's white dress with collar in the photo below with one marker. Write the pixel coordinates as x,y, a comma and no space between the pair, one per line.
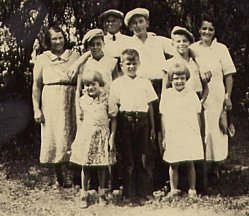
183,138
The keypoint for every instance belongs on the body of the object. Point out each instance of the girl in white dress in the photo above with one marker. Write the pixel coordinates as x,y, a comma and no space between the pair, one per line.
180,110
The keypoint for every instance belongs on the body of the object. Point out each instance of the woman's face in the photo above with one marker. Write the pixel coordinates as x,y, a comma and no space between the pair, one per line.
57,41
181,44
96,47
207,31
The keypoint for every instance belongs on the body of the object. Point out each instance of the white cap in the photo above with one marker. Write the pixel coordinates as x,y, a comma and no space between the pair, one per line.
182,30
137,11
112,12
92,34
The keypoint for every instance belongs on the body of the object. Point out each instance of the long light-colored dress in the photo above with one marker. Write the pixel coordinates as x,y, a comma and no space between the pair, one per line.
90,147
180,114
217,59
58,106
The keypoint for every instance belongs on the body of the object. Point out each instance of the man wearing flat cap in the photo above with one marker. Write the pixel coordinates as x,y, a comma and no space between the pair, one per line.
152,50
115,41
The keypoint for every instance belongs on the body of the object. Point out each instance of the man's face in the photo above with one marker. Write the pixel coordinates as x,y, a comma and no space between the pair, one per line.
139,25
112,24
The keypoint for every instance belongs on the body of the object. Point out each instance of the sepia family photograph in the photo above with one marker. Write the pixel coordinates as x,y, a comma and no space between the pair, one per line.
114,107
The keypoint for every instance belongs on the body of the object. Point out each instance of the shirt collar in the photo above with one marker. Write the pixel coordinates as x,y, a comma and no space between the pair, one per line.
53,57
110,36
213,44
150,35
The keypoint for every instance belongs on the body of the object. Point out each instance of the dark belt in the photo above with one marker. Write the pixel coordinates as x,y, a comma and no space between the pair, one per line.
134,116
61,83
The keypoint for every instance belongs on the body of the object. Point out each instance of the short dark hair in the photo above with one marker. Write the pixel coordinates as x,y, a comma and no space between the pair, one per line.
131,54
47,37
178,69
208,17
92,76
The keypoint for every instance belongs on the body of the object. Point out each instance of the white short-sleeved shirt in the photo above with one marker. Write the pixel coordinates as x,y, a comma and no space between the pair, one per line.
115,48
105,66
151,53
194,82
132,95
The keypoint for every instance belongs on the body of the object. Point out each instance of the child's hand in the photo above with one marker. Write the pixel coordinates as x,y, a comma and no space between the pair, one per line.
164,144
152,135
112,143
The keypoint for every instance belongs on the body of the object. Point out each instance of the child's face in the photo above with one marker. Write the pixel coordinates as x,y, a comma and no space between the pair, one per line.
179,81
181,43
129,67
92,88
112,24
207,31
96,47
139,25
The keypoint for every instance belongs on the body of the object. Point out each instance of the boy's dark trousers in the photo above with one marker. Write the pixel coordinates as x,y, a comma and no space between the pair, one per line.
137,154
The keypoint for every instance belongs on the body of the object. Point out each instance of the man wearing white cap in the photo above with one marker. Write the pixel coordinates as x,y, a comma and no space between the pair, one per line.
152,50
115,41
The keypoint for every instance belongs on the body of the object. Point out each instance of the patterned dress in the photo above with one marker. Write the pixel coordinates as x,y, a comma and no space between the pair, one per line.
58,106
90,147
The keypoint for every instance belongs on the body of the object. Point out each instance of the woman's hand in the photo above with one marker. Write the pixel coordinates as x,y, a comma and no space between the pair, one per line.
73,71
206,77
39,117
228,104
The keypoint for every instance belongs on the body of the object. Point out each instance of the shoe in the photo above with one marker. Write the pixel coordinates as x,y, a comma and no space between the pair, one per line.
84,199
192,193
174,193
102,196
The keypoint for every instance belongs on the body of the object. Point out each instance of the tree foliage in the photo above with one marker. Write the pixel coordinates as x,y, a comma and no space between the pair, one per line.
22,24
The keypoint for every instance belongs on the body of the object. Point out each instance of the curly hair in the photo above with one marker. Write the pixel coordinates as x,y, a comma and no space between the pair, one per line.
47,37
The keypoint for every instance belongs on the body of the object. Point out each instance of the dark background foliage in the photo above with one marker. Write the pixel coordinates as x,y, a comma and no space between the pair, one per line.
22,24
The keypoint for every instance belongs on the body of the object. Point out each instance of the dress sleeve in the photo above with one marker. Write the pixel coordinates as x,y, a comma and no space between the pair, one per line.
38,67
114,100
226,61
162,104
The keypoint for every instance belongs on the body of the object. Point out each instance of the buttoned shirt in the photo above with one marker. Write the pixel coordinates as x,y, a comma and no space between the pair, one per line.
152,56
115,47
217,56
132,95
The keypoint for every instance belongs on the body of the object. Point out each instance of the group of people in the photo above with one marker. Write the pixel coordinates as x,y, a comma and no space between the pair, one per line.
125,97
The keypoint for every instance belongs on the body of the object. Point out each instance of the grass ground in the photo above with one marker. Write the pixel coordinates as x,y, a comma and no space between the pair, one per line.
26,186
